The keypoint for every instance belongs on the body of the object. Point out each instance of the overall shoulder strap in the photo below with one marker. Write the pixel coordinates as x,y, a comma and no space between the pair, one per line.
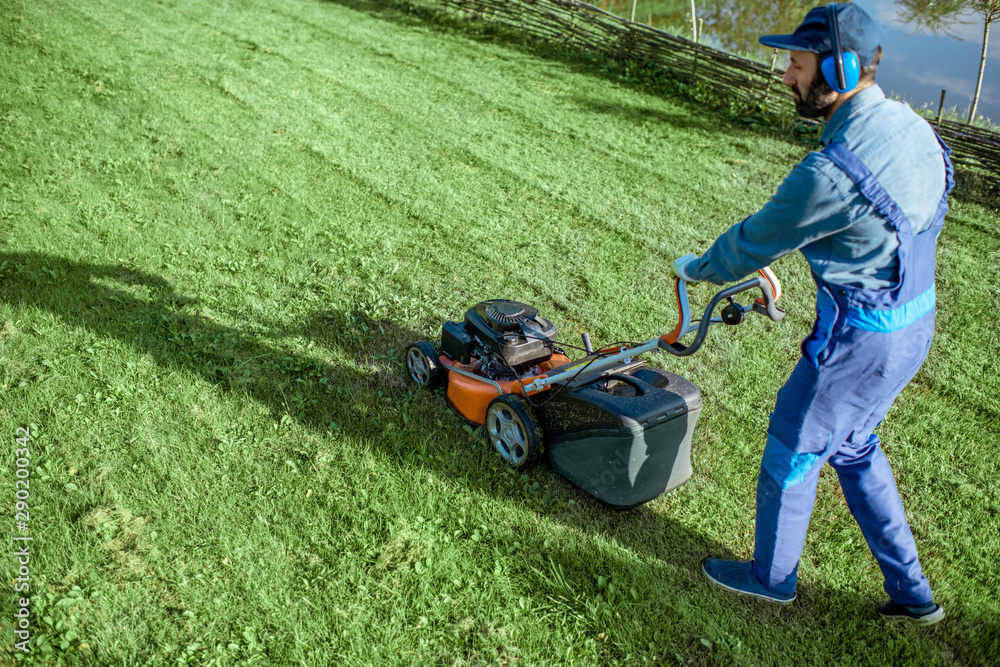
872,190
949,172
948,168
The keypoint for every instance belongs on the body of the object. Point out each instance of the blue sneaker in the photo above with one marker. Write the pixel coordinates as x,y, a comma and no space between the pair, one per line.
922,615
739,577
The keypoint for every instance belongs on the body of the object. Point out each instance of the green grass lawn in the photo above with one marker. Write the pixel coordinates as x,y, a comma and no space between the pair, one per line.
220,224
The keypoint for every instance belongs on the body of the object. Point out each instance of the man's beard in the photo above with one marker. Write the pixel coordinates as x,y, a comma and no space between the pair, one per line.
818,99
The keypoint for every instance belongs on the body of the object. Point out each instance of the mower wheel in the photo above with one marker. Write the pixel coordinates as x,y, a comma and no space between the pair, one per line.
422,364
513,431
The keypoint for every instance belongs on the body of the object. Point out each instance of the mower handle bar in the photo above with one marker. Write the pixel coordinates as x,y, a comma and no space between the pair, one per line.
768,284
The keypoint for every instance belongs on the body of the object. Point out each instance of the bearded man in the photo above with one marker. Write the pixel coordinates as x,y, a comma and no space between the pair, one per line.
865,211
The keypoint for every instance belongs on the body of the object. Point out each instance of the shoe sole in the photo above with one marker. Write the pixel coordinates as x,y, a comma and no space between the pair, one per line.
736,590
920,621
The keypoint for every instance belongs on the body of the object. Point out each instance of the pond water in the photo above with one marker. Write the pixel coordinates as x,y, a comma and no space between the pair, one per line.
918,66
918,63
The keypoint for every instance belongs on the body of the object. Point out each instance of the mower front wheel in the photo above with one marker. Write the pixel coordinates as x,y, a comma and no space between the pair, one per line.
513,431
422,364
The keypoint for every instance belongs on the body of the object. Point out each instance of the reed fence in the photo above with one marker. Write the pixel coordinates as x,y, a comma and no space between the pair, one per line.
592,30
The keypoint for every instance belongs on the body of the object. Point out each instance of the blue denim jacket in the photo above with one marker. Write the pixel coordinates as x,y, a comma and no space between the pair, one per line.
820,211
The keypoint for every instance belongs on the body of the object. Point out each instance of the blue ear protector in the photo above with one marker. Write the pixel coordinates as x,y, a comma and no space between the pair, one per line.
841,70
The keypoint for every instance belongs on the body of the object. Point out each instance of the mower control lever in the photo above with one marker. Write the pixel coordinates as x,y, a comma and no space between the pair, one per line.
733,314
770,289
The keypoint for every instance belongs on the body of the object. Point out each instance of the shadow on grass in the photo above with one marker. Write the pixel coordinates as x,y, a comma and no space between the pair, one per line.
354,397
143,311
639,114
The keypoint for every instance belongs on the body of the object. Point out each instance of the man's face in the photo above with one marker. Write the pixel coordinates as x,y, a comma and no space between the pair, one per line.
813,97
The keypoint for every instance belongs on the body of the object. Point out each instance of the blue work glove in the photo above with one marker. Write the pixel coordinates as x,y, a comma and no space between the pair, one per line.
679,268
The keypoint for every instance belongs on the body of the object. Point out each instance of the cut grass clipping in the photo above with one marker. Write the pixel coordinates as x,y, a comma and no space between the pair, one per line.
220,224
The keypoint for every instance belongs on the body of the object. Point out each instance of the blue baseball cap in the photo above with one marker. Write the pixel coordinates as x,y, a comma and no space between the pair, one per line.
858,33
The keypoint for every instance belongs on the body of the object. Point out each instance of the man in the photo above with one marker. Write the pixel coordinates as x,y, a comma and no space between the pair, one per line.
865,212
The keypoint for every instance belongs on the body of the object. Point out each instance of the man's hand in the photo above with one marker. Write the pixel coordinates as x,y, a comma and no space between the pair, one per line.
678,268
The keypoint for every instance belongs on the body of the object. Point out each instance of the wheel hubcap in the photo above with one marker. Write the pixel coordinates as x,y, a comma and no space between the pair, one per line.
508,435
420,370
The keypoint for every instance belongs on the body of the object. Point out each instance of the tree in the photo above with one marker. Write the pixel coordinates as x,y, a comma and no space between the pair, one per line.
933,16
990,11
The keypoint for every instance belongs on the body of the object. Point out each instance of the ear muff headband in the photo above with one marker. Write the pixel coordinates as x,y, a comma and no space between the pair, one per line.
841,70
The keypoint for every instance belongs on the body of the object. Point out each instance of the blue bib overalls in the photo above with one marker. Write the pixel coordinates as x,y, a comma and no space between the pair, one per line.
866,345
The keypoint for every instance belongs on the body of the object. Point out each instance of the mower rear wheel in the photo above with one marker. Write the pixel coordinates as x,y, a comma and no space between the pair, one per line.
422,364
513,431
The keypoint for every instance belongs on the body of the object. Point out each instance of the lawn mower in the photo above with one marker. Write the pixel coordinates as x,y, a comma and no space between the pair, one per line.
617,429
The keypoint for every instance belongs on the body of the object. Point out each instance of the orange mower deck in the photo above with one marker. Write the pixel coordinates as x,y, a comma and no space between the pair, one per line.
470,397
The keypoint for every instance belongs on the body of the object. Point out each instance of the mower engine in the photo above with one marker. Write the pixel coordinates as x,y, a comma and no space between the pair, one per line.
508,338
